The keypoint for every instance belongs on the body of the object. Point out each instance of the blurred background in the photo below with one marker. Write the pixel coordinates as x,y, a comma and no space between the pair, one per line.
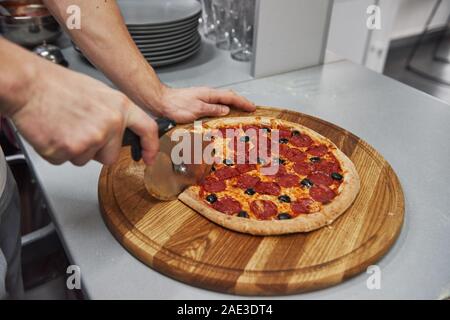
412,45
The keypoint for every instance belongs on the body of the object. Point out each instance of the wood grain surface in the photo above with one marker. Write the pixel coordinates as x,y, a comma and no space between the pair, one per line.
178,242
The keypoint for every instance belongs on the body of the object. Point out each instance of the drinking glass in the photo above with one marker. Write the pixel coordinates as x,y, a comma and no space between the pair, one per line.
221,12
242,40
208,22
235,23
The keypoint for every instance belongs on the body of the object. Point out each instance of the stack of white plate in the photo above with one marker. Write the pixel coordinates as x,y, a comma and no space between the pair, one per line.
166,31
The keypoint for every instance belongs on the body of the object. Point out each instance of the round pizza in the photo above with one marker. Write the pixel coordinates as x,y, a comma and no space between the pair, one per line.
271,177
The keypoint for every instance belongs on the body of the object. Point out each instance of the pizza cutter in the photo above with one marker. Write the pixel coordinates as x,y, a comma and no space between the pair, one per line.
165,179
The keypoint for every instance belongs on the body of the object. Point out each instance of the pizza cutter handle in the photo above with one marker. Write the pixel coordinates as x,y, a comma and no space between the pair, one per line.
132,139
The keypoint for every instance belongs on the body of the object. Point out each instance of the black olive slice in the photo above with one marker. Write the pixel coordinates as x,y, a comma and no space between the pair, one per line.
284,198
306,183
211,198
227,162
244,139
337,176
243,214
250,191
284,216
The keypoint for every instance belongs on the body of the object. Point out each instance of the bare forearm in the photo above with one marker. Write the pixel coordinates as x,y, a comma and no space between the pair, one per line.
105,40
18,70
65,115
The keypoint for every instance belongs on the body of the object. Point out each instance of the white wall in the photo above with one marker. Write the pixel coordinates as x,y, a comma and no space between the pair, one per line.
290,34
348,33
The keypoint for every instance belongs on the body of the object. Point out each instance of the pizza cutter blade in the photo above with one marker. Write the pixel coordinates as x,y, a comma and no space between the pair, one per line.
165,179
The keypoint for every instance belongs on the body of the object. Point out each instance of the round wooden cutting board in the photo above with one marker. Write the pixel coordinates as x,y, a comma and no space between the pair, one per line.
176,241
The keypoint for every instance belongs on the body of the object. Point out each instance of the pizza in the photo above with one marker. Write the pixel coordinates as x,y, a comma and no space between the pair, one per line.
272,177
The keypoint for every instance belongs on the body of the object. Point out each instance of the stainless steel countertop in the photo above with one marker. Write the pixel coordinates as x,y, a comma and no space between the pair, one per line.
409,128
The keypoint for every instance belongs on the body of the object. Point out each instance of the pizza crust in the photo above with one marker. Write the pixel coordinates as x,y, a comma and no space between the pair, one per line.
348,191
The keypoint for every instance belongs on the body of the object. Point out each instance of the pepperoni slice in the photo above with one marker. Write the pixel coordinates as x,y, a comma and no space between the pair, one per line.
301,205
303,168
321,178
281,171
321,193
301,141
212,184
270,188
284,134
243,168
227,205
226,173
288,180
327,167
246,181
295,155
283,150
263,209
317,151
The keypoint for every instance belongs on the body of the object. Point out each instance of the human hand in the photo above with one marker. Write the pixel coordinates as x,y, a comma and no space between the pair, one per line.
189,104
68,116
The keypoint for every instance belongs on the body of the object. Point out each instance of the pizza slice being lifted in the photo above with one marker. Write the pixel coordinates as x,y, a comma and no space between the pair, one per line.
286,178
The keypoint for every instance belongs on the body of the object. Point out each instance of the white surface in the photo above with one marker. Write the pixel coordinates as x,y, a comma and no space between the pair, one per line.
290,34
157,11
330,57
409,128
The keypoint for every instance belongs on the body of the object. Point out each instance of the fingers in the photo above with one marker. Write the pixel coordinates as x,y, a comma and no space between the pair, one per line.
147,129
84,158
103,141
227,97
212,110
86,146
66,149
109,153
